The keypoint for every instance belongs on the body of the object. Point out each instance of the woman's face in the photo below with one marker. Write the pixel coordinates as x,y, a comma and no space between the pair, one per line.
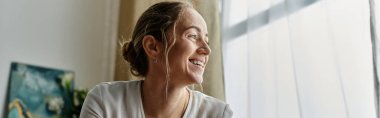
189,54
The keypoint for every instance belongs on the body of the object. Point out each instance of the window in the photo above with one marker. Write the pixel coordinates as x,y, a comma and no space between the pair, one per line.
298,58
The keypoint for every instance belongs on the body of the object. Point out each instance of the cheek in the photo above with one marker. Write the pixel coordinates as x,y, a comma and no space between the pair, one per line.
181,53
184,48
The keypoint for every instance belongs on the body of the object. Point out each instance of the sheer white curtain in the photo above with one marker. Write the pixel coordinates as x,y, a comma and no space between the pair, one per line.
298,58
375,33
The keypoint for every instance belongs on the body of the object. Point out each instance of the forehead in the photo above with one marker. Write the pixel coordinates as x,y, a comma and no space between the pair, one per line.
191,18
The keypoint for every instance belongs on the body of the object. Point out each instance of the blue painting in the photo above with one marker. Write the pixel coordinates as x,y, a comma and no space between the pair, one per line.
39,92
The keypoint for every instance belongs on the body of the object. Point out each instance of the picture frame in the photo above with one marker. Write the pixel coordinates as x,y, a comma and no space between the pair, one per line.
39,92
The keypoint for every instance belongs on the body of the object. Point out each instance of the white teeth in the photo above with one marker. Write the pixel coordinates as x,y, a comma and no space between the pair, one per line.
195,62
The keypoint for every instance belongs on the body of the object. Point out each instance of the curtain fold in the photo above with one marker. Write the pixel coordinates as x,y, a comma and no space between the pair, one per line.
374,14
130,10
298,58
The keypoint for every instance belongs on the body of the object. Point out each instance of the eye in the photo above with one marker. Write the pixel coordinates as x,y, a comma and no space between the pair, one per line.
193,36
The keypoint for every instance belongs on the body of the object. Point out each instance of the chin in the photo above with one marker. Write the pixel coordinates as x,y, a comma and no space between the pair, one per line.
196,80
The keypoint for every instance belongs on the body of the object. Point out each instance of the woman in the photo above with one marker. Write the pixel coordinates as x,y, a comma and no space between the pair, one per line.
169,48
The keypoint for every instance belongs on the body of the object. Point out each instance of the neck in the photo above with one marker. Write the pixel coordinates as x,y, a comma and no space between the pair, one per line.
161,99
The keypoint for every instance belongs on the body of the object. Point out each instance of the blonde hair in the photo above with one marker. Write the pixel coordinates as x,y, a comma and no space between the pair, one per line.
156,21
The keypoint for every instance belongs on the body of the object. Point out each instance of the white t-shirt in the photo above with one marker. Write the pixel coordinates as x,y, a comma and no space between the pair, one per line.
123,100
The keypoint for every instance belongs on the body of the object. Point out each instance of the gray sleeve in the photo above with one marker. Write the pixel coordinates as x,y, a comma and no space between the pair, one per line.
93,105
227,112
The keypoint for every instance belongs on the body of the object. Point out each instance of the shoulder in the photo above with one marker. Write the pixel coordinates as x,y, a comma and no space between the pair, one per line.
209,106
108,97
115,90
117,85
207,100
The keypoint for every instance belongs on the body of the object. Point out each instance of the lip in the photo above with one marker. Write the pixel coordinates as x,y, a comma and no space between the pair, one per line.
196,68
202,60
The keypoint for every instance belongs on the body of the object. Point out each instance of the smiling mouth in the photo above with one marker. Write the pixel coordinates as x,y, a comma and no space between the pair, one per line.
197,63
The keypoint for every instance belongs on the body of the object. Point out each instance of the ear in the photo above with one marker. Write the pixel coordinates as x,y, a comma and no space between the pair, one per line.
151,46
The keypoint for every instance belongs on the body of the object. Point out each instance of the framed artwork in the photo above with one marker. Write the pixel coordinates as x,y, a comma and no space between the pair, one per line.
39,92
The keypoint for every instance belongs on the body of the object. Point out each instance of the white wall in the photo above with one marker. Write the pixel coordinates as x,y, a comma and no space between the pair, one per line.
65,34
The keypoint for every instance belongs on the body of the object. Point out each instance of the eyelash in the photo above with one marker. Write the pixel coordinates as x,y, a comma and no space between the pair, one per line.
196,37
193,36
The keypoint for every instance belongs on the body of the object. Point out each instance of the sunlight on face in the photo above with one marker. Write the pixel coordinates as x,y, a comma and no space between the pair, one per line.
189,55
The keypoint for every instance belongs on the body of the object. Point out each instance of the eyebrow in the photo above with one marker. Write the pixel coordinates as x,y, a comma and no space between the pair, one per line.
197,28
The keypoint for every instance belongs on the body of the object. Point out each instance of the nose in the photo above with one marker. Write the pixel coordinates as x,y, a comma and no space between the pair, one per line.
204,48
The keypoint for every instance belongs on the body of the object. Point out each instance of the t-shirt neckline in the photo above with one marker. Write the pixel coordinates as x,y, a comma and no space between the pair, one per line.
187,110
